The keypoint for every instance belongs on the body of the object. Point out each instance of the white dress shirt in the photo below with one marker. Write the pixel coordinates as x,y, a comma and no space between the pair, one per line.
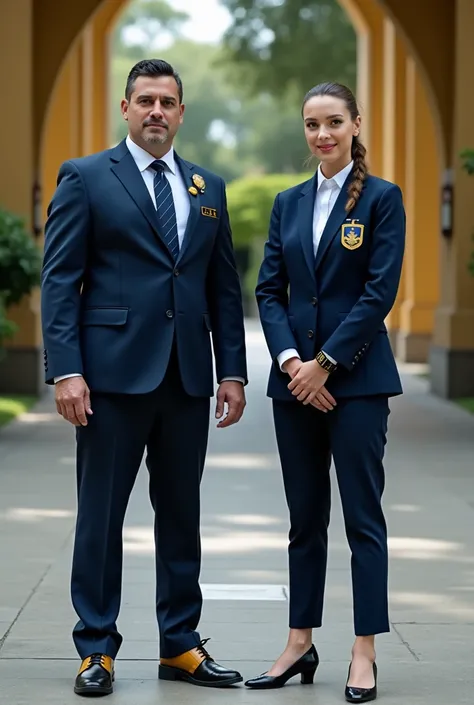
326,195
143,160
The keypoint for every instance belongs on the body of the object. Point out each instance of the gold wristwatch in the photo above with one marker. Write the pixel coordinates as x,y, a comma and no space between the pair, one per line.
325,362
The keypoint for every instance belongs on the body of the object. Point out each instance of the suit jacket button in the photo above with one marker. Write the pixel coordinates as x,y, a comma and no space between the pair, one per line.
169,314
176,272
311,334
314,301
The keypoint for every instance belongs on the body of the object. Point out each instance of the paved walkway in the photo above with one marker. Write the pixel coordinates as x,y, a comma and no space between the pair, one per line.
428,657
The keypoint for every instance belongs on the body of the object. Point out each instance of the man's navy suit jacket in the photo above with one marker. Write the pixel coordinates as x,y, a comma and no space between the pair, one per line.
113,298
338,300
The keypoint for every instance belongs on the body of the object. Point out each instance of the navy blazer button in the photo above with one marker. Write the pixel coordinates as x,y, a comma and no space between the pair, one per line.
311,334
314,301
176,272
169,314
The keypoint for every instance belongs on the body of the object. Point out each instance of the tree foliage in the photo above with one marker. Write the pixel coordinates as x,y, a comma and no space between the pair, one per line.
242,109
140,26
282,44
222,130
208,101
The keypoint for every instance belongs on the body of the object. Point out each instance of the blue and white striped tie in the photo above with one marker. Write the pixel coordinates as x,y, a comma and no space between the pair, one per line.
165,208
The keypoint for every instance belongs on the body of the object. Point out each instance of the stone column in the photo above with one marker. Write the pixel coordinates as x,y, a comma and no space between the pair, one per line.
394,132
421,195
368,18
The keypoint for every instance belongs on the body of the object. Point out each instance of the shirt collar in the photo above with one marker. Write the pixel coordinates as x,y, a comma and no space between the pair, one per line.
144,159
339,178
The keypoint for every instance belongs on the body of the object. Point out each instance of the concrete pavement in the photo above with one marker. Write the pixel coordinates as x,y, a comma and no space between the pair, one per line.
428,655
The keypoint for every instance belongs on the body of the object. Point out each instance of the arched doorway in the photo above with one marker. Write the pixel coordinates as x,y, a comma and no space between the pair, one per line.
388,82
407,55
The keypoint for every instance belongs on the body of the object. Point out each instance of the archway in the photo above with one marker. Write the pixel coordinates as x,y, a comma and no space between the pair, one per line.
403,58
388,81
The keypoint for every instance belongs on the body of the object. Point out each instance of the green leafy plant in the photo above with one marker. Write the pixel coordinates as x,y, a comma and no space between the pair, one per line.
467,155
20,267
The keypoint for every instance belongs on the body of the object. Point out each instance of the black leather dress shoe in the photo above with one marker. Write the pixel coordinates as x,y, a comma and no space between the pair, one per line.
361,695
199,668
306,666
96,676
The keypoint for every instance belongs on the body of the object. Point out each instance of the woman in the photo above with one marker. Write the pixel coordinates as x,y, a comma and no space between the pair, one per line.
329,278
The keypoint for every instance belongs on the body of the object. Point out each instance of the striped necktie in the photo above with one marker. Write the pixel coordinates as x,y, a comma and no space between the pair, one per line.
165,208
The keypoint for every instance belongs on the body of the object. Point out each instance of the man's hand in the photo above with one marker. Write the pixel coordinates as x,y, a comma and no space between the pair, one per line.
324,401
73,400
308,381
233,394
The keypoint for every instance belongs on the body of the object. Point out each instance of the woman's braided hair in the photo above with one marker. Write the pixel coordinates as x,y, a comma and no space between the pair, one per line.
360,169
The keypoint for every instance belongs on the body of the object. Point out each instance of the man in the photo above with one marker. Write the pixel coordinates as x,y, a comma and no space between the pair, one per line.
138,270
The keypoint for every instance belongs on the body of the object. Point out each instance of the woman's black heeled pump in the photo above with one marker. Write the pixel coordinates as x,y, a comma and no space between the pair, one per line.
361,695
306,666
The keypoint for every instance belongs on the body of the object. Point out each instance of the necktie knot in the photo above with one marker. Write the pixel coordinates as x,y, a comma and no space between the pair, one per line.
158,165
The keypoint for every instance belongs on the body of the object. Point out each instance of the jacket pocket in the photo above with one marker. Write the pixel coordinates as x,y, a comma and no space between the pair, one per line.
116,316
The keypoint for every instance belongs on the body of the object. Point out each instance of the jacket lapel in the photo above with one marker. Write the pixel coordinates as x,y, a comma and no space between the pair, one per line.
305,220
126,170
187,169
337,217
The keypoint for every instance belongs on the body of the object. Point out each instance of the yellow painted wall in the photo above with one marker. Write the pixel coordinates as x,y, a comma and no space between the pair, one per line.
76,119
16,138
422,180
428,28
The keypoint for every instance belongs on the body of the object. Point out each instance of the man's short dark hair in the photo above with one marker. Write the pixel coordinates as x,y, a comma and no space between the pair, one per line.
152,68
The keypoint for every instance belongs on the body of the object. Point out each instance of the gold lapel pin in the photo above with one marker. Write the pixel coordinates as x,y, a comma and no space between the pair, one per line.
193,191
199,182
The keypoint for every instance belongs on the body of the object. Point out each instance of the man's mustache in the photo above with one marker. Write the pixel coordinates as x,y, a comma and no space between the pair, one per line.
154,123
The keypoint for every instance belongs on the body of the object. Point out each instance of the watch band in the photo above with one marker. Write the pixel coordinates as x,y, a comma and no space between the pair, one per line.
325,362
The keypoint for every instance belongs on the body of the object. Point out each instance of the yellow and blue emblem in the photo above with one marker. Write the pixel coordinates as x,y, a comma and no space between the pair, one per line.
352,235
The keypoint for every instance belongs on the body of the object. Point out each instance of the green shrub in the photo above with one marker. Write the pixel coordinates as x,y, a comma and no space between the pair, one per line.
20,266
250,202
